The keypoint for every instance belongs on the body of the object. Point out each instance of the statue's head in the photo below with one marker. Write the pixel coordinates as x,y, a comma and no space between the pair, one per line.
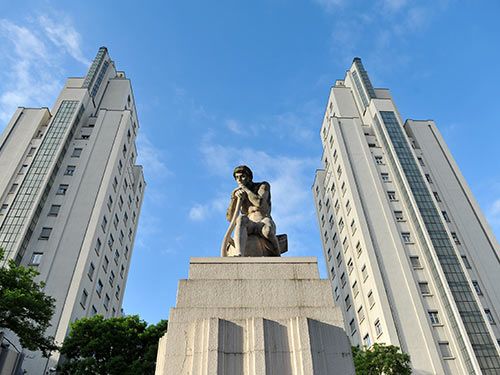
243,175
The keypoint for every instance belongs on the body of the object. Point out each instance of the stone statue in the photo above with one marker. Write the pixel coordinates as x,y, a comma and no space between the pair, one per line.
249,214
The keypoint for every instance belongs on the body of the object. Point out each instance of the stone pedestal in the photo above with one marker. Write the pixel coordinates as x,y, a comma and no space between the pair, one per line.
254,316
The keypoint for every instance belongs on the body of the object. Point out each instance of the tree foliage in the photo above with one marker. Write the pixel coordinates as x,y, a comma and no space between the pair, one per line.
24,307
115,346
381,359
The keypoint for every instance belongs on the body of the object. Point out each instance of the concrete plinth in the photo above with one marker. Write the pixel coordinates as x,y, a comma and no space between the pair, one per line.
254,316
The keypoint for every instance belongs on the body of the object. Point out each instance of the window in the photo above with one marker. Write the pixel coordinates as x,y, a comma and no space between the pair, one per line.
378,327
335,240
339,171
31,152
36,259
444,347
350,266
355,289
434,318
336,292
490,316
342,280
91,271
445,216
366,340
105,264
122,271
466,262
115,183
341,225
385,177
391,195
421,162
85,136
70,170
45,233
54,210
361,314
359,250
436,195
322,220
98,288
104,223
406,237
424,288
415,262
117,293
347,301
352,326
117,256
110,203
23,169
111,241
106,302
115,221
94,311
477,288
83,299
428,178
343,188
120,166
372,145
337,206
345,244
364,272
339,259
120,238
111,278
124,151
348,207
335,156
76,152
399,215
455,238
62,189
13,188
379,160
371,299
120,202
3,209
98,246
125,184
353,226
126,252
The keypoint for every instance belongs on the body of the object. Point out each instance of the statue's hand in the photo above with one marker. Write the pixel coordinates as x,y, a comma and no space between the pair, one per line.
240,193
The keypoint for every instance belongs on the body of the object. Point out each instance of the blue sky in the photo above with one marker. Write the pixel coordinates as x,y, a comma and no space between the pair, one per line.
221,83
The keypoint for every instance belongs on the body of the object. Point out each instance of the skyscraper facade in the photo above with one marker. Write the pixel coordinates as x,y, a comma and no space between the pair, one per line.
410,255
70,196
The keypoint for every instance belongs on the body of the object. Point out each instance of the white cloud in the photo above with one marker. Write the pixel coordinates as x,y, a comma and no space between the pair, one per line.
32,63
235,127
198,212
151,157
63,35
201,212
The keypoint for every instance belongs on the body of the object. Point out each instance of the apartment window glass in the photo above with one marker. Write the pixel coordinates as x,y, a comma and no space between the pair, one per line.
391,195
341,225
110,203
455,238
466,262
445,216
120,238
70,170
106,302
336,292
31,152
120,202
115,183
3,209
23,169
117,293
347,301
434,318
62,189
348,207
91,271
379,160
339,171
361,314
94,311
477,288
99,287
111,241
54,210
345,244
122,271
105,264
111,278
355,289
126,252
98,246
399,215
342,280
337,206
424,288
353,226
117,256
352,326
104,223
13,188
436,195
421,162
350,265
406,237
83,299
378,327
444,347
415,262
371,299
489,316
344,189
428,178
385,177
366,340
359,250
36,259
76,152
45,233
120,166
364,272
115,221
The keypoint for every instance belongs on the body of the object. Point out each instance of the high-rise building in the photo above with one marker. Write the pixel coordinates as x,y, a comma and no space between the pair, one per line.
70,196
410,255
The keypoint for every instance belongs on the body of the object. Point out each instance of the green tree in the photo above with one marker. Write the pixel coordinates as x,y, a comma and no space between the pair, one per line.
115,346
24,308
381,359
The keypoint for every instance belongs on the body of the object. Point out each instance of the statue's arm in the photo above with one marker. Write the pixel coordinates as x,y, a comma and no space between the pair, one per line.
231,208
262,194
